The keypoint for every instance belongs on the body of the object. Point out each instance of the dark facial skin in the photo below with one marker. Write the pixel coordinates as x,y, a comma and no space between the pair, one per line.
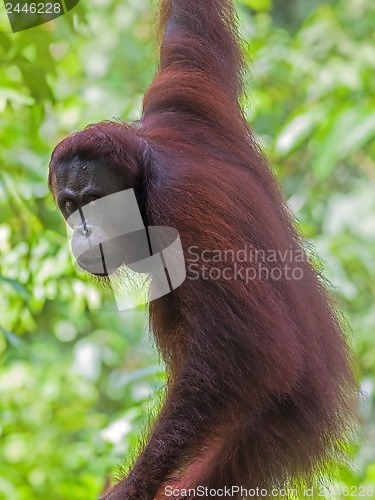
79,183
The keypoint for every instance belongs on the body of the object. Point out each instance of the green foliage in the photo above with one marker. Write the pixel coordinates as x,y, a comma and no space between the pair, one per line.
77,384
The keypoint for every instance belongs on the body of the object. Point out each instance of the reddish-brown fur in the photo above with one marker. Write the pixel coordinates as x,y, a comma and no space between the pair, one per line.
260,382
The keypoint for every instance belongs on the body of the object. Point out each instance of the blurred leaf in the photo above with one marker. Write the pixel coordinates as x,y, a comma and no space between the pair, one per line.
298,129
258,5
15,97
16,285
12,338
351,128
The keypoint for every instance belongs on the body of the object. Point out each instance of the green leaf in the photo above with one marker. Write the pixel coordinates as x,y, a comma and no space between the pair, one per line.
297,130
17,286
360,134
12,338
14,96
258,5
350,130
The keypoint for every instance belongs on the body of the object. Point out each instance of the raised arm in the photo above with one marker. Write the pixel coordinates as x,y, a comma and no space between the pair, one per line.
200,58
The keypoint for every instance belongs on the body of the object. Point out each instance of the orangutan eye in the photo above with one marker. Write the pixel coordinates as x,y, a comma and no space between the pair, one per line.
69,206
